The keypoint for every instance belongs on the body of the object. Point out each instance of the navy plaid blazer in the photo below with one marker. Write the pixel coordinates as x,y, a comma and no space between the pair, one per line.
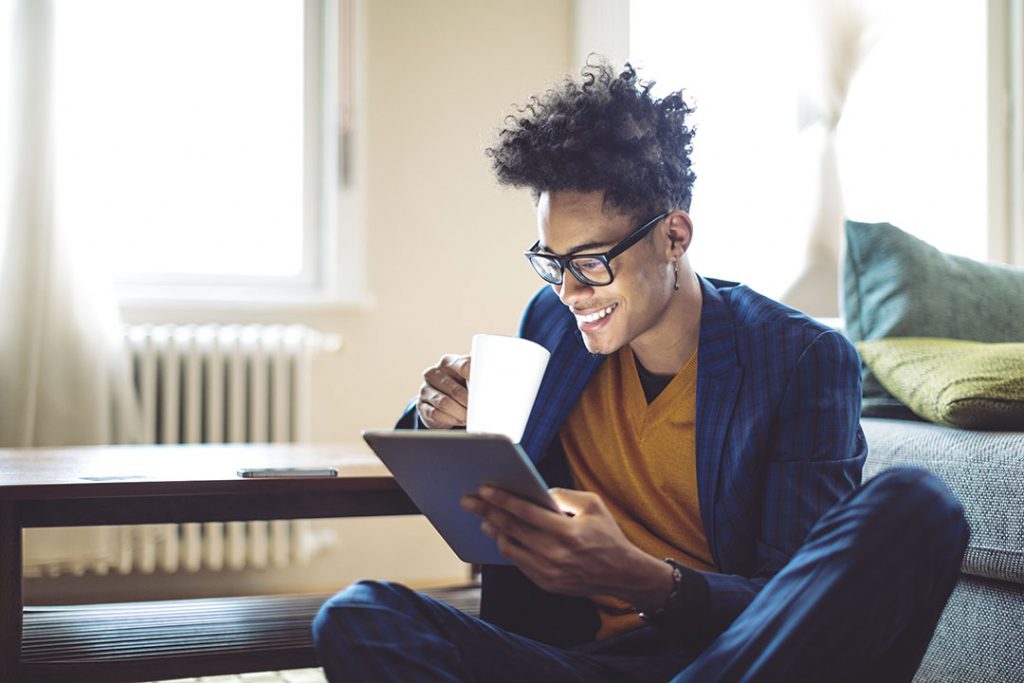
778,443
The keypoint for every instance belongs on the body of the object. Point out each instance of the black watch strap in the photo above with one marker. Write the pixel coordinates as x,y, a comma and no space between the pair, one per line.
662,615
686,611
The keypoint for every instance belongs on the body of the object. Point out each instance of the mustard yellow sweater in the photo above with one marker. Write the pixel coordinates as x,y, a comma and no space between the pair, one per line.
641,460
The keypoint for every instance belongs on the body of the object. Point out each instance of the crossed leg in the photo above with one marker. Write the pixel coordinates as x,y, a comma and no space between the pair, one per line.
859,601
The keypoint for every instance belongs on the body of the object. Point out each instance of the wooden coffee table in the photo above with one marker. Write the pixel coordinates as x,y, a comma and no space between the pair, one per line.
171,484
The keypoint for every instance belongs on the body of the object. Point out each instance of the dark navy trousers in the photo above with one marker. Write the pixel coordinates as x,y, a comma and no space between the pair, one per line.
858,602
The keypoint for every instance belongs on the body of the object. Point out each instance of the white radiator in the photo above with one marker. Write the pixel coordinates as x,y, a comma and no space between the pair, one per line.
205,384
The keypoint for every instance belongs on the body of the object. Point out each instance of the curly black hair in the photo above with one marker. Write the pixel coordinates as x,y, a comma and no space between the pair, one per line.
607,133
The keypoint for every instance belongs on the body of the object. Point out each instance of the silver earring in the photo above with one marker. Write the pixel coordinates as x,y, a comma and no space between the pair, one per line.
675,285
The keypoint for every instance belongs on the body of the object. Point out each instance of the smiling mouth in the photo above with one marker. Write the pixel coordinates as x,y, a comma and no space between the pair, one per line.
596,315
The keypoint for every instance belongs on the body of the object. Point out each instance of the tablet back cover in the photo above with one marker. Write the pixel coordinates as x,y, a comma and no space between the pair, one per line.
436,469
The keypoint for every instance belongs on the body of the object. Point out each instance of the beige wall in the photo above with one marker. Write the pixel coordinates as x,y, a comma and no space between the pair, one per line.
443,244
443,239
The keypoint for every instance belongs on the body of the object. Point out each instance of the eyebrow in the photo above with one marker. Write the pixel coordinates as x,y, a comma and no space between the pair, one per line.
577,249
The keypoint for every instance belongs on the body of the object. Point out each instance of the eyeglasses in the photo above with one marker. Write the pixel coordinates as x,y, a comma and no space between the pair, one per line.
594,270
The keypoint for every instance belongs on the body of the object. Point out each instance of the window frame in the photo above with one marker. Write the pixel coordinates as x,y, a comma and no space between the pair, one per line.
333,273
1006,131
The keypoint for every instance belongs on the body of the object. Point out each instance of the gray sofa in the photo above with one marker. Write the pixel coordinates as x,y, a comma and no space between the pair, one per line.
980,636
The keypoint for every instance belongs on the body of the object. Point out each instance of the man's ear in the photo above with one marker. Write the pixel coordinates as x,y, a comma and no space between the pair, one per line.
679,229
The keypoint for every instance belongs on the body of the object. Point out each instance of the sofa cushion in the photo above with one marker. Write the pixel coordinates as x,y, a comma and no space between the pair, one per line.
895,285
973,385
980,636
985,470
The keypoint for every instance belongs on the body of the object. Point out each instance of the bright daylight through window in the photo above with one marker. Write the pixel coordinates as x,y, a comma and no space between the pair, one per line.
188,141
911,141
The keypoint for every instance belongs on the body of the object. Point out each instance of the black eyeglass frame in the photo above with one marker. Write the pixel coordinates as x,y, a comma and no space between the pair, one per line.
566,262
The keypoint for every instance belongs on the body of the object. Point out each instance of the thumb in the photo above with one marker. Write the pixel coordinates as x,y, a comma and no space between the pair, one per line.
461,366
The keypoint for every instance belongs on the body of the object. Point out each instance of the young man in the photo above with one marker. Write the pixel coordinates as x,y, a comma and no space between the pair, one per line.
708,447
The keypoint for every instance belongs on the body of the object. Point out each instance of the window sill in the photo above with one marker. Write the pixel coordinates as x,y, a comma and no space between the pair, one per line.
350,302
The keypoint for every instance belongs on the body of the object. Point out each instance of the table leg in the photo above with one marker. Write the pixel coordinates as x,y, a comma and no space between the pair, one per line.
10,591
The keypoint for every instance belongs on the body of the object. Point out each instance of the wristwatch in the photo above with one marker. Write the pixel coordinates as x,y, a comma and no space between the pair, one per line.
664,614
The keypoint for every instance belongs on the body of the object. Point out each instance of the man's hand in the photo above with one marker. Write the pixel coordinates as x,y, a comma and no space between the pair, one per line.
583,552
443,395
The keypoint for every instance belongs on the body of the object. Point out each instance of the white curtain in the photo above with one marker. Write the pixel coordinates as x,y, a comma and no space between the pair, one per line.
767,205
902,119
809,111
839,40
63,369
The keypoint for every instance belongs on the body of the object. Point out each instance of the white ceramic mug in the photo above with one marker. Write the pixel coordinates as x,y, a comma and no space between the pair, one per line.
504,377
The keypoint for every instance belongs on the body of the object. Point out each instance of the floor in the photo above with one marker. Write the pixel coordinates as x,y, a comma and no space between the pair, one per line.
296,676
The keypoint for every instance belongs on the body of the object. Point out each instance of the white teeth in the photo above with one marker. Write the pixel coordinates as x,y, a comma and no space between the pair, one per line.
597,315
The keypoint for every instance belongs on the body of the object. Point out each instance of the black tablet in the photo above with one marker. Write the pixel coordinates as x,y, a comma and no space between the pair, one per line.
437,468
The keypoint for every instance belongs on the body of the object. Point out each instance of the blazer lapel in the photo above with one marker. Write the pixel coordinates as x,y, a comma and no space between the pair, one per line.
568,371
718,382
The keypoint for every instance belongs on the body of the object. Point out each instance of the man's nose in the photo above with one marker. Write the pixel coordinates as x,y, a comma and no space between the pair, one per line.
571,289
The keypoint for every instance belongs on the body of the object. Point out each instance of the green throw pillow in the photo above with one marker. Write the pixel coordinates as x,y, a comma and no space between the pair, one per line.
895,285
952,382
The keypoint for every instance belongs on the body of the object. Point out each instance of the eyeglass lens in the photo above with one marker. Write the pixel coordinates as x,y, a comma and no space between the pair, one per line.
586,269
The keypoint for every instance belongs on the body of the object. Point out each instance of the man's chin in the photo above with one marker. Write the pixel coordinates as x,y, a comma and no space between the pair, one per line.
599,344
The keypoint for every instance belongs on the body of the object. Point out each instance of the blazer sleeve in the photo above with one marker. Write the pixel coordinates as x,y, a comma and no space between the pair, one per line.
410,418
813,457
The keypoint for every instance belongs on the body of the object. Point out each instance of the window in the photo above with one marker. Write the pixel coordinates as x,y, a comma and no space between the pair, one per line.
910,146
197,140
913,139
6,39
